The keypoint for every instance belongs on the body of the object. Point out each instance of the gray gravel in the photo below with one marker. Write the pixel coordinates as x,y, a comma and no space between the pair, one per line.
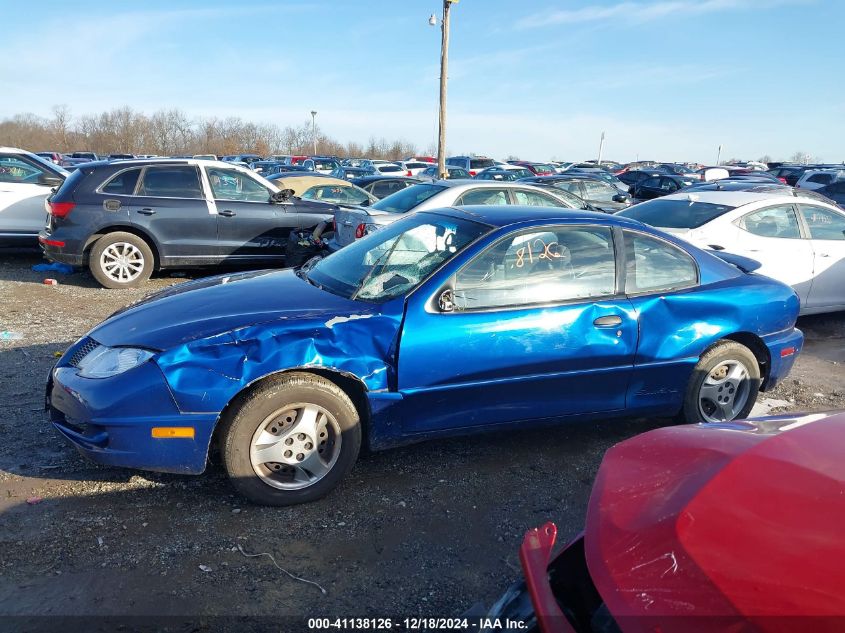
427,530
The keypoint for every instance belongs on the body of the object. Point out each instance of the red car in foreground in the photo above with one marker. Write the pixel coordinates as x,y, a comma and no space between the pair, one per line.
716,527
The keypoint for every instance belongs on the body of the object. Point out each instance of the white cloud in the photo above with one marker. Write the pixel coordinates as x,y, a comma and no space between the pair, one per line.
639,12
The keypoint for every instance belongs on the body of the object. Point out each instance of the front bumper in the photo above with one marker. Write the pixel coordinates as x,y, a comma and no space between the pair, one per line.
784,348
110,420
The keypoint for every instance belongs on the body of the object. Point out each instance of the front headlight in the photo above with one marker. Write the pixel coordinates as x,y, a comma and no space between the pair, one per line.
110,361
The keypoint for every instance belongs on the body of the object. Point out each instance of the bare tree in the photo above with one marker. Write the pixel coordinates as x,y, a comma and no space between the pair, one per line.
172,132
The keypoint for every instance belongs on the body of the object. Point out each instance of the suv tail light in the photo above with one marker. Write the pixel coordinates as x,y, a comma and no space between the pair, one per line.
61,209
472,173
409,174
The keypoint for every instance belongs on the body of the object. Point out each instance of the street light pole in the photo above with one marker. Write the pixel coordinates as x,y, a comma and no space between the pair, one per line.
444,71
601,147
719,157
314,129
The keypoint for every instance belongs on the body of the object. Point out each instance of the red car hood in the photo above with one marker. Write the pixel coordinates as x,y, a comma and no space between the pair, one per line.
737,520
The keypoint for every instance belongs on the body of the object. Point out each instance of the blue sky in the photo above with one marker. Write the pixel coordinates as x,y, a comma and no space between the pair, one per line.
666,79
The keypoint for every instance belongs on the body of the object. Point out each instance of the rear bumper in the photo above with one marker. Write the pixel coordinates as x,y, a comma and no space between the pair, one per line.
67,253
110,420
784,348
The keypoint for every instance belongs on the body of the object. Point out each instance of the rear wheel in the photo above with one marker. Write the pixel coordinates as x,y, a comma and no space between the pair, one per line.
121,260
292,440
724,384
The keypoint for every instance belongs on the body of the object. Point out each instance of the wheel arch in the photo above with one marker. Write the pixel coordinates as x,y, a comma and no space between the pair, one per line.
758,348
351,385
123,228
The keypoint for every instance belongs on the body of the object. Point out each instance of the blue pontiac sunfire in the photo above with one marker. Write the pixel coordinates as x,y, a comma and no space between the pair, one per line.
445,322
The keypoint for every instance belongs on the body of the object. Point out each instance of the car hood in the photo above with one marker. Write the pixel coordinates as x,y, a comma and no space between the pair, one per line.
736,519
214,305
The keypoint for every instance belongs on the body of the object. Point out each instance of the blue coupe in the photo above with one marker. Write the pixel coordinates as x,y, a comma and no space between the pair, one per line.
445,322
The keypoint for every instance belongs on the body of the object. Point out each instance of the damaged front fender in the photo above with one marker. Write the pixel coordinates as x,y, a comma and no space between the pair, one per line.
204,375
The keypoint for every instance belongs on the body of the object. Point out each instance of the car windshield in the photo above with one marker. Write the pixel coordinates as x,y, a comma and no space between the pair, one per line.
680,213
407,199
395,260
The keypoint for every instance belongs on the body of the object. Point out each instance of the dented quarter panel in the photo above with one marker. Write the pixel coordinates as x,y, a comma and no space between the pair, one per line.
677,328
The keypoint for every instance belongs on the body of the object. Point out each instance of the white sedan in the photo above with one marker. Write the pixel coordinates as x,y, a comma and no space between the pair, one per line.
25,183
798,239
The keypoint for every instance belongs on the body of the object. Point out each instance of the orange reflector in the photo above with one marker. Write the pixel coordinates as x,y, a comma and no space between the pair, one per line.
165,432
787,351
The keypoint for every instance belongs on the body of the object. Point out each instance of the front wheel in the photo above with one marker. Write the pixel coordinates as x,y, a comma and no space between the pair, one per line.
724,384
292,440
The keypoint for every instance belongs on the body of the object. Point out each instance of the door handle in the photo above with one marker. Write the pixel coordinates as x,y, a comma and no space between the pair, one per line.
611,320
146,211
227,213
825,254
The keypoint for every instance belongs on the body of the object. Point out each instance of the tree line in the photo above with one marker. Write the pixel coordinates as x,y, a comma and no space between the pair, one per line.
172,132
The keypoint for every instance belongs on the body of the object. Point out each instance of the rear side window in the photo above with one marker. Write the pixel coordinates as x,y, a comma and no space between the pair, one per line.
652,265
122,184
171,182
773,222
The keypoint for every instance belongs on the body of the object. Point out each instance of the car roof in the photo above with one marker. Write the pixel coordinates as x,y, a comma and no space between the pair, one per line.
374,178
307,180
737,198
504,215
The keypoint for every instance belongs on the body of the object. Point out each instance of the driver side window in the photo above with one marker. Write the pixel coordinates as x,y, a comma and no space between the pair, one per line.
545,265
230,184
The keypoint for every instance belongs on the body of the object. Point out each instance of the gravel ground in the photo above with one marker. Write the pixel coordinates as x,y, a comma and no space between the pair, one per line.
427,530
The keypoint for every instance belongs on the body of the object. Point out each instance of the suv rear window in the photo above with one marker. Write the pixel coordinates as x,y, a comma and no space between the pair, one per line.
481,163
66,190
676,214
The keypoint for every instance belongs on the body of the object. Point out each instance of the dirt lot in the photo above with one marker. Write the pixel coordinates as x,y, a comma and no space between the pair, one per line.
427,530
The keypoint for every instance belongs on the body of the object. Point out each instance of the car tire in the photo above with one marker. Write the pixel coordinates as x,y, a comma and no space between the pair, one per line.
723,386
121,260
274,422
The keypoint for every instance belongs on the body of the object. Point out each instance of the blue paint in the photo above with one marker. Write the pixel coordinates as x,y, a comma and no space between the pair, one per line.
425,373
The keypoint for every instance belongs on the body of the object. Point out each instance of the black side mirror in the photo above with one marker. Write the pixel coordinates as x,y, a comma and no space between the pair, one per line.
50,181
621,197
281,196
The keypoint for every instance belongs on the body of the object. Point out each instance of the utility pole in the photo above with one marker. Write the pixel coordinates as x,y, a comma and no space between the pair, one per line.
719,157
314,129
444,70
601,147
